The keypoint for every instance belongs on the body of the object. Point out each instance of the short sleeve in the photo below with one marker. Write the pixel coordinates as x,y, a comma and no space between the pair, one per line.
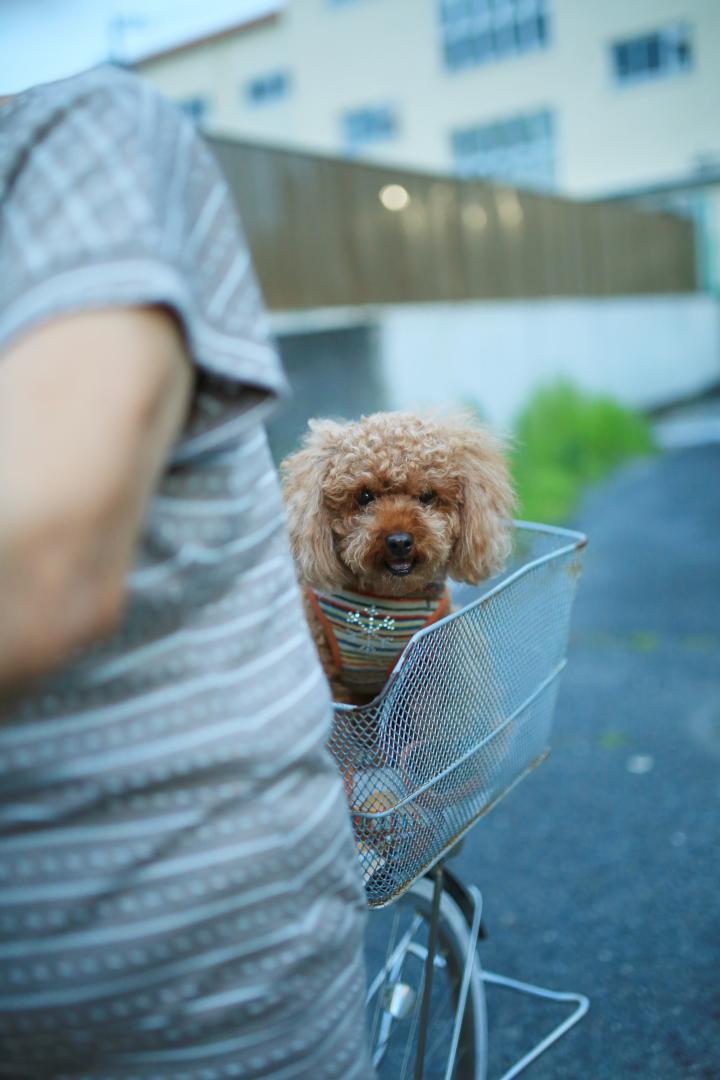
110,197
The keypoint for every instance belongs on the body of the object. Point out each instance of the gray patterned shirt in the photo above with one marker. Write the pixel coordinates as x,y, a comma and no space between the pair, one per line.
179,894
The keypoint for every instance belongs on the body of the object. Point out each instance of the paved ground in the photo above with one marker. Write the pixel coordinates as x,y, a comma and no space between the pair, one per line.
696,423
601,871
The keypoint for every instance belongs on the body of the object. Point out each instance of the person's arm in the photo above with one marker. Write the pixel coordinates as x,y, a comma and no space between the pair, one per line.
90,405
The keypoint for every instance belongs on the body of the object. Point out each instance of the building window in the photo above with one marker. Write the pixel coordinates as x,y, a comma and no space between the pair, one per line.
518,149
477,31
269,88
197,108
650,56
362,127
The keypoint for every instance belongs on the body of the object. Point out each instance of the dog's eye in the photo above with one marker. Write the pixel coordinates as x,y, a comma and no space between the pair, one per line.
426,498
366,496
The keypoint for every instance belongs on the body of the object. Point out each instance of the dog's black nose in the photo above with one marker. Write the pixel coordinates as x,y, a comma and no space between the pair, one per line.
399,544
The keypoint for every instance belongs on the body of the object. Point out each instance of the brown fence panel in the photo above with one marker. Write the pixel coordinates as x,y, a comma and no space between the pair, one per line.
321,237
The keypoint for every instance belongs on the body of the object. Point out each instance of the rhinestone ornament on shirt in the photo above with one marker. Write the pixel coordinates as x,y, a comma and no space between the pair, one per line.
368,623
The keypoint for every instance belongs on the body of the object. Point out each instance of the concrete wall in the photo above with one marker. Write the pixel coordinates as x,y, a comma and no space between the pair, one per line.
333,372
642,351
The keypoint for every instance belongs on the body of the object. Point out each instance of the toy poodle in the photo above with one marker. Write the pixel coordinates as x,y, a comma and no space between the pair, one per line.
381,512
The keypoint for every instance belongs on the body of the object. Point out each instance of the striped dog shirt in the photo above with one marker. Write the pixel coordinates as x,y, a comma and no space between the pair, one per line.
367,634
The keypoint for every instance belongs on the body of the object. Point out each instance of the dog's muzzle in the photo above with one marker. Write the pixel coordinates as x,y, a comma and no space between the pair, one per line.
399,547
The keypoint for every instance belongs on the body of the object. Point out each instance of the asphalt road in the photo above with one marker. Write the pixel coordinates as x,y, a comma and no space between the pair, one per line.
601,871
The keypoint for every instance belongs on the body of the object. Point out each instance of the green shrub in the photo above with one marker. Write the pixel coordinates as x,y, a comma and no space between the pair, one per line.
565,439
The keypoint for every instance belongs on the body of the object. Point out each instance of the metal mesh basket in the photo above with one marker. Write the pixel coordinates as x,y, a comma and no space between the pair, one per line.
465,714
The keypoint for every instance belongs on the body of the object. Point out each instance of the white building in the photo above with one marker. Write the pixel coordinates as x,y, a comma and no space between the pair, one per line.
589,99
612,99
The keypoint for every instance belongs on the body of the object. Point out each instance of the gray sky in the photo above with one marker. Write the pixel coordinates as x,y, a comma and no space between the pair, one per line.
41,40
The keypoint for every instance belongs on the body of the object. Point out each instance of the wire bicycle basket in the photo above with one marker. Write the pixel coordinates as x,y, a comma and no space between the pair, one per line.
466,713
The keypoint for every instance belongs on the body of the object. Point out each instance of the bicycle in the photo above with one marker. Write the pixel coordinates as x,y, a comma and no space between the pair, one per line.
465,715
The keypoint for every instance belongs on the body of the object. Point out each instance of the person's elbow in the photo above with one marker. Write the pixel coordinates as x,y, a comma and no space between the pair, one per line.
68,593
91,405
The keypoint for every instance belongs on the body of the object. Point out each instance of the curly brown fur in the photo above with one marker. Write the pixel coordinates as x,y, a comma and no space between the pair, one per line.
443,482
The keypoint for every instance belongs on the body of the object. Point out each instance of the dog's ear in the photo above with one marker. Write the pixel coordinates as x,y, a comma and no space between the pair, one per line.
303,474
488,500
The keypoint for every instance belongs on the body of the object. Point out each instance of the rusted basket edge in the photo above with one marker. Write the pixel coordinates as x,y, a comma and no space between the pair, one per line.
376,904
